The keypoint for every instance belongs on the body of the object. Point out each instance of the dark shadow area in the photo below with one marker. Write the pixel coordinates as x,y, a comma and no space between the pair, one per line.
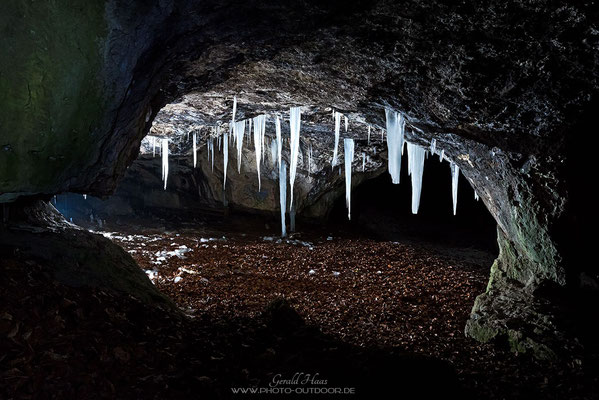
384,209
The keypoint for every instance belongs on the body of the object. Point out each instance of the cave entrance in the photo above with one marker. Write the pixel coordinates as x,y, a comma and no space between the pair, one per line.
385,278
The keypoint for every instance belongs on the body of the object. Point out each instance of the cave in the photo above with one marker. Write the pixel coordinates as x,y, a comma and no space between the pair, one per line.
359,199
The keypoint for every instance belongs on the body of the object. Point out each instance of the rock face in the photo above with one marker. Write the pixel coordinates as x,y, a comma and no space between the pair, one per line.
501,86
33,231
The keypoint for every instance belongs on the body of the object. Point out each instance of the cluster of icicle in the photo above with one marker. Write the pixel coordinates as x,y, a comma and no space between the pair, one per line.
416,156
395,124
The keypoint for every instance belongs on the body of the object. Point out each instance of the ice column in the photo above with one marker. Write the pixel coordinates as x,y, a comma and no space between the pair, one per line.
395,139
348,148
415,169
294,127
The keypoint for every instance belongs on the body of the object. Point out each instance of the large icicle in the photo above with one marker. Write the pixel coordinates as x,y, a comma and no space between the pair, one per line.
415,169
234,108
195,154
259,123
279,139
363,161
369,134
283,195
225,157
395,139
455,174
337,128
165,161
346,122
294,127
348,148
238,133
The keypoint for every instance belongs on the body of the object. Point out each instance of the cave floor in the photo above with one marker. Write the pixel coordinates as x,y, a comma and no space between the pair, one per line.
378,316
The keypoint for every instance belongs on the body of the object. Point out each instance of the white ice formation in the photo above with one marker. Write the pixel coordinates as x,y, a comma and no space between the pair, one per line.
348,148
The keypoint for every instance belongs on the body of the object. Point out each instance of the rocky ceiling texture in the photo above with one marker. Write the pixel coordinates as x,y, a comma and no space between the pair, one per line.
501,85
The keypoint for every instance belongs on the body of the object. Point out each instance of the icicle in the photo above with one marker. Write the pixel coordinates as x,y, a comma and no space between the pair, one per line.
363,162
476,196
395,139
348,148
294,127
337,128
455,174
165,161
259,123
262,134
415,169
279,141
433,146
442,155
369,134
346,122
382,134
234,107
310,159
195,155
283,195
238,132
219,143
153,146
225,158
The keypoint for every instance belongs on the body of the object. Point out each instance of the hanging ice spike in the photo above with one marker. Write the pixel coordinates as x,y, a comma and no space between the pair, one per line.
395,139
348,148
165,161
455,175
195,154
238,133
415,169
259,125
